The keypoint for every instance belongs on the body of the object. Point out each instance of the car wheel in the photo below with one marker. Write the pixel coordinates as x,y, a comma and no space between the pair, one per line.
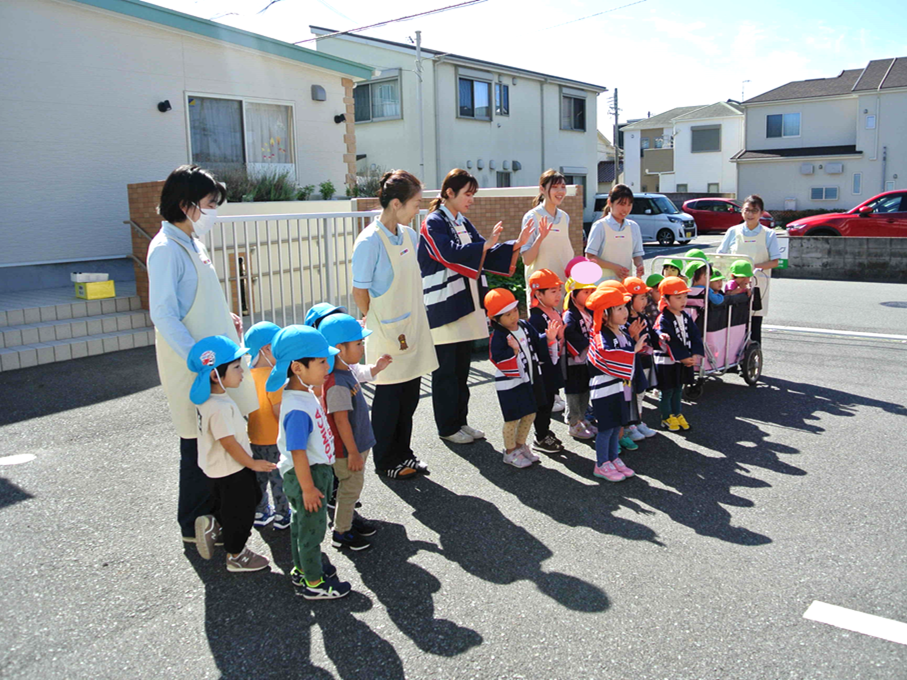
823,232
665,237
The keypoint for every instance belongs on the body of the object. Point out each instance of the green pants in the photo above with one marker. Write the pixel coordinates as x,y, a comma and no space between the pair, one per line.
307,528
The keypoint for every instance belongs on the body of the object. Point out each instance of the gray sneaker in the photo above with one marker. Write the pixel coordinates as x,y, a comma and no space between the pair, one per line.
247,561
207,531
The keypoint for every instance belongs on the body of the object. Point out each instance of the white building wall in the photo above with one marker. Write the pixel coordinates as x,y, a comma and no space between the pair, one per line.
79,120
823,122
632,160
697,170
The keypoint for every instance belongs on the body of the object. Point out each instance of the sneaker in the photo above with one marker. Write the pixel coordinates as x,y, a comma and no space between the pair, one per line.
516,459
263,519
684,425
328,570
590,426
416,465
671,423
350,540
473,432
459,437
645,430
549,444
327,589
628,444
579,431
282,521
206,530
634,433
399,472
622,469
189,539
559,404
363,527
607,471
528,454
247,561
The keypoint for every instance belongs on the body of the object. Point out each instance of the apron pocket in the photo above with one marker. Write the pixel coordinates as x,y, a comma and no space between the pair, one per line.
397,332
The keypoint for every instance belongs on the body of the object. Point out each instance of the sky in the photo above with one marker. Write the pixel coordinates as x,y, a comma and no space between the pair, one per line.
658,54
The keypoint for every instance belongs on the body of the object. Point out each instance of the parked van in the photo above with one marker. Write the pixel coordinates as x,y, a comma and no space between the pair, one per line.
660,220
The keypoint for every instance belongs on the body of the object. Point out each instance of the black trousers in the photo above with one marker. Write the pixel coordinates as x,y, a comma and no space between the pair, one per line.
544,399
392,421
195,495
756,330
235,498
449,386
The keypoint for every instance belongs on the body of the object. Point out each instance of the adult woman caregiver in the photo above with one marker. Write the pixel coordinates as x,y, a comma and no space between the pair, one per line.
387,288
759,243
615,242
187,304
549,244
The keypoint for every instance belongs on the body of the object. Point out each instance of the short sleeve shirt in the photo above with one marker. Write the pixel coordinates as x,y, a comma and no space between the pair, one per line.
597,235
561,220
728,245
344,393
220,417
303,427
372,269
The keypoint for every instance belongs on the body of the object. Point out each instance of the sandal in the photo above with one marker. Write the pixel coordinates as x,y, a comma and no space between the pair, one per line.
416,465
402,471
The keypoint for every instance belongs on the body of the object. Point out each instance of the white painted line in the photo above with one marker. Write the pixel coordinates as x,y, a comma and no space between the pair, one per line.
858,622
17,459
831,331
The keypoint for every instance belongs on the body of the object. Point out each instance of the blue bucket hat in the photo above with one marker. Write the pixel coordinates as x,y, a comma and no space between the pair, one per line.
338,328
258,336
206,354
292,343
317,313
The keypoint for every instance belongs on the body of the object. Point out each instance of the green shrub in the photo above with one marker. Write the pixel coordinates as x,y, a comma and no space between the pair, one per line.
305,193
246,188
369,181
327,190
516,284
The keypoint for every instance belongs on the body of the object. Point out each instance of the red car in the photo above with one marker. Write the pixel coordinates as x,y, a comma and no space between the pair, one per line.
882,215
719,214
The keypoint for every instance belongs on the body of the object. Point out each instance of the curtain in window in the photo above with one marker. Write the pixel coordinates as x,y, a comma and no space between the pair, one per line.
215,128
566,113
466,103
363,103
268,133
386,100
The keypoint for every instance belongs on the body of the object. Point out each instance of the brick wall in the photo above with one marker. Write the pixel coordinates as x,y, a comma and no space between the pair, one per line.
143,201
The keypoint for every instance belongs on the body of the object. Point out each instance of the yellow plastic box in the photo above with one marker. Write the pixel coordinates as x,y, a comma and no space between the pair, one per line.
95,290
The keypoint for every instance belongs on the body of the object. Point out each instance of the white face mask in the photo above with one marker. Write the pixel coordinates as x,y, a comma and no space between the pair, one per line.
205,221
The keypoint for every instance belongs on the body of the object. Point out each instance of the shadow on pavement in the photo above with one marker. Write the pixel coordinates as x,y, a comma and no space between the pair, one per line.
10,494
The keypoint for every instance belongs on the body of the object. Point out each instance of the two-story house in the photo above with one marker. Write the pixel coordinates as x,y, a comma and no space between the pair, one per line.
504,124
686,149
828,142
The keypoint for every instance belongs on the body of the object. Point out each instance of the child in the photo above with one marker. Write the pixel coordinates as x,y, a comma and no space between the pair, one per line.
306,455
680,343
348,417
654,297
577,331
716,281
742,274
638,325
224,454
519,353
697,274
263,427
671,268
611,364
545,297
697,254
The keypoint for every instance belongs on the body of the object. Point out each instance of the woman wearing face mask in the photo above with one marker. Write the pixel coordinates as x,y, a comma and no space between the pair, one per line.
187,304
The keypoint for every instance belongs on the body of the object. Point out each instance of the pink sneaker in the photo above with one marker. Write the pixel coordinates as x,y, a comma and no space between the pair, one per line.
590,427
609,472
580,431
528,454
623,469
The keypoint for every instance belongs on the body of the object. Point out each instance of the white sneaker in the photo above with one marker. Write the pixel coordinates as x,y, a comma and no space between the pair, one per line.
528,454
559,404
473,432
459,437
516,458
580,431
589,426
634,434
645,430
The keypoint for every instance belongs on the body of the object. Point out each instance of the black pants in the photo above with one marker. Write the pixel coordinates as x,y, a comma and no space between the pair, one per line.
195,497
392,421
449,386
756,330
544,399
235,497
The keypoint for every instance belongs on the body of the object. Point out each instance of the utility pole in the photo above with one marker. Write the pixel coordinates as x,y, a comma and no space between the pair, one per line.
616,139
419,104
743,90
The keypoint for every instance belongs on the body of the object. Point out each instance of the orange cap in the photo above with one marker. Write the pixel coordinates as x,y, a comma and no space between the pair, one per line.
499,301
544,278
635,285
673,285
617,285
605,297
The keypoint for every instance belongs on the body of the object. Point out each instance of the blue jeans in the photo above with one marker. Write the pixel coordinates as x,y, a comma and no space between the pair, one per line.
607,445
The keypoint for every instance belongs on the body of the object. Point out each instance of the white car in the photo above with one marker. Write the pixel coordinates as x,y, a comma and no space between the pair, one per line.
660,220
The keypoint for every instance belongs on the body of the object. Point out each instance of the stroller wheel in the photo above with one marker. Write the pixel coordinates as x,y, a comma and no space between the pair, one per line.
694,391
751,370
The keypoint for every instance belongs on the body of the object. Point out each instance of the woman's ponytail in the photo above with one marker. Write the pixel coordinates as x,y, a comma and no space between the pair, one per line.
456,180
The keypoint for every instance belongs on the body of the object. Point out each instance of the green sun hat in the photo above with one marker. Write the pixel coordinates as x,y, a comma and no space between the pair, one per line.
653,280
698,254
692,267
677,264
742,268
716,276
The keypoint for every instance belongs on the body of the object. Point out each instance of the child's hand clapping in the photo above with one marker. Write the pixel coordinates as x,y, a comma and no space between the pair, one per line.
636,328
554,329
513,343
262,466
641,343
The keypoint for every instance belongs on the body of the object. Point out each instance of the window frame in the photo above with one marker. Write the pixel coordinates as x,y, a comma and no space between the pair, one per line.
686,190
501,89
568,93
499,175
709,185
702,128
825,196
378,81
870,121
782,115
853,184
470,77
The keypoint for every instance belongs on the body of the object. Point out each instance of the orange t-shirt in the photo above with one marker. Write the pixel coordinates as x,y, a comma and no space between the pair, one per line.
263,423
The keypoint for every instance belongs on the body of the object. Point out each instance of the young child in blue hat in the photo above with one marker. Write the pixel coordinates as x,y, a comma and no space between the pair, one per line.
224,454
306,454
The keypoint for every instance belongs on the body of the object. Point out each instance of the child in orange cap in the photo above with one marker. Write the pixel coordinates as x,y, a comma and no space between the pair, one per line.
577,332
519,353
545,297
680,343
611,364
637,325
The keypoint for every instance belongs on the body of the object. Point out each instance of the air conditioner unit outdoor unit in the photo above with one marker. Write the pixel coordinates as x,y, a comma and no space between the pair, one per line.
806,168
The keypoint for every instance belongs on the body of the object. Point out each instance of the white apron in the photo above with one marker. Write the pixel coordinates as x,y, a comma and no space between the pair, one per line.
473,326
556,250
756,247
398,320
208,315
617,247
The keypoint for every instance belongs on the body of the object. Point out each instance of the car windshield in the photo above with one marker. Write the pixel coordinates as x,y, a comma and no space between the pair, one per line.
664,205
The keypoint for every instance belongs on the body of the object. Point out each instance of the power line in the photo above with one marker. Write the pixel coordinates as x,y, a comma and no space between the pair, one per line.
393,21
597,14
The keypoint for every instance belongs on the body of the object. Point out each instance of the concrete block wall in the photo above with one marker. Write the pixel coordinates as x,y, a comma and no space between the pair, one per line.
854,259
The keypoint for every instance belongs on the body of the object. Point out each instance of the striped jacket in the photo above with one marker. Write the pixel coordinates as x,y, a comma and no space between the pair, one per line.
611,367
447,264
683,338
515,373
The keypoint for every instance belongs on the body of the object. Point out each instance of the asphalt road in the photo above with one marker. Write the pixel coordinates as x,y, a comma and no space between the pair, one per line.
701,567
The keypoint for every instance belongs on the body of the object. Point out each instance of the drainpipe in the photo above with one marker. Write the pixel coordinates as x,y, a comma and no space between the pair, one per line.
437,117
420,105
542,105
884,163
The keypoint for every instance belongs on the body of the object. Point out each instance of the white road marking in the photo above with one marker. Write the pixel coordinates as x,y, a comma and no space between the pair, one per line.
858,622
832,331
17,459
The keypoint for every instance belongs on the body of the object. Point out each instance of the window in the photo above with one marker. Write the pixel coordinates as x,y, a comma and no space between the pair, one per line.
237,131
871,122
644,143
503,180
782,125
683,189
889,204
376,101
659,142
475,99
573,110
823,194
579,180
889,186
640,205
705,138
712,188
857,183
502,100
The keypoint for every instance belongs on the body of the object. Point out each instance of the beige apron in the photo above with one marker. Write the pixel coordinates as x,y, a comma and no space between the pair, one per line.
556,250
617,247
208,315
398,320
756,247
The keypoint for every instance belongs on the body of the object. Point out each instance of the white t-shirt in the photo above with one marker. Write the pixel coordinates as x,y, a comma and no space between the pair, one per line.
220,417
303,425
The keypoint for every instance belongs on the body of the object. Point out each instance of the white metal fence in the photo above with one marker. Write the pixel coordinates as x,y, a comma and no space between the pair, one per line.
275,267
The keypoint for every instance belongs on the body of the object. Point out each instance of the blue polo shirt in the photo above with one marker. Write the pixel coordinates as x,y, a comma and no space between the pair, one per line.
372,268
